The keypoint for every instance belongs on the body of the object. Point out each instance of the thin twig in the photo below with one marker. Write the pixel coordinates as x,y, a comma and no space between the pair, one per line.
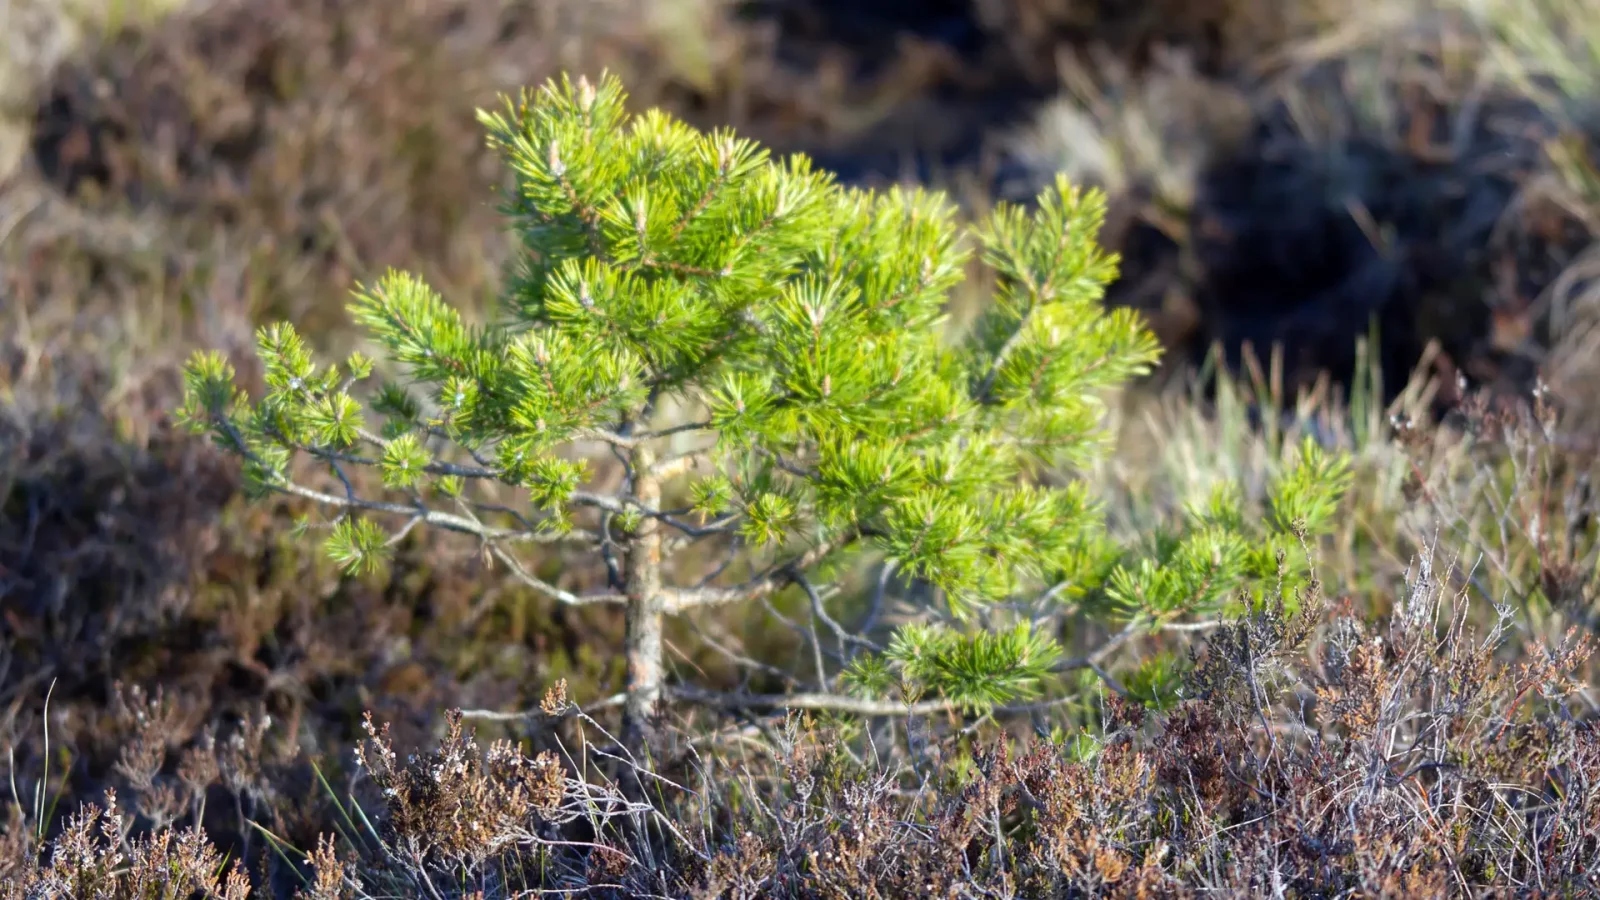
776,578
538,584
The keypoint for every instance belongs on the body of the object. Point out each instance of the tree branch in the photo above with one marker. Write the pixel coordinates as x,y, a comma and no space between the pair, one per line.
1095,659
813,701
420,514
843,703
987,385
822,702
678,542
550,590
675,429
433,468
621,505
820,609
682,599
620,441
445,520
678,465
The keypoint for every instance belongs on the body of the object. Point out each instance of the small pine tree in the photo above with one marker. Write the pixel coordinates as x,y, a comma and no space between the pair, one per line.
767,356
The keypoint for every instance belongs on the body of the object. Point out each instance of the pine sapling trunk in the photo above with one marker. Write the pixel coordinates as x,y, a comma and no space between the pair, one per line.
643,589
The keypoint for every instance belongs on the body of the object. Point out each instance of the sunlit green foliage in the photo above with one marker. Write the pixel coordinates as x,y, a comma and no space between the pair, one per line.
802,327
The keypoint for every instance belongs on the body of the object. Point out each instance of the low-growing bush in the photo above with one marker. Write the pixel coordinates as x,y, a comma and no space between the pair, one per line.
1321,752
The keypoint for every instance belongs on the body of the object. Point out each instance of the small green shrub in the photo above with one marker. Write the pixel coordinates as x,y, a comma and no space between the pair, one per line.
766,354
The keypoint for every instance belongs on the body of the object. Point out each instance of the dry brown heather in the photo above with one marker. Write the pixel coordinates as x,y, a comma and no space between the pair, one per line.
183,679
1319,756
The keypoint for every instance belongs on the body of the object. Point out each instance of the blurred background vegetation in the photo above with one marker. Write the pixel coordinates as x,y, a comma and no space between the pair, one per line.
1339,215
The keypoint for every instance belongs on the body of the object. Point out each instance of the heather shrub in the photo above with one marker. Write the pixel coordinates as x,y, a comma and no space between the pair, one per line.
1325,750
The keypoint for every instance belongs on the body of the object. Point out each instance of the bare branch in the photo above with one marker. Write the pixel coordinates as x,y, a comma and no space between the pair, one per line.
428,516
550,590
678,465
676,429
680,599
1095,659
677,543
787,466
620,441
531,530
820,609
401,534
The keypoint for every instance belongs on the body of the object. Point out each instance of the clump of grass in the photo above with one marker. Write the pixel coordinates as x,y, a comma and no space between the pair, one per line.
1345,178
